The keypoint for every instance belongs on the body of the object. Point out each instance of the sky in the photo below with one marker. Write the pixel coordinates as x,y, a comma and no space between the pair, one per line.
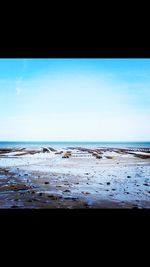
74,99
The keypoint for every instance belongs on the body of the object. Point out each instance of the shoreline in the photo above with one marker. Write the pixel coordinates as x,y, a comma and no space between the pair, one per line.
74,177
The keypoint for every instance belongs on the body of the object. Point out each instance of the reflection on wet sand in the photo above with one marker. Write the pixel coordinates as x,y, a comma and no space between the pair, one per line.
75,177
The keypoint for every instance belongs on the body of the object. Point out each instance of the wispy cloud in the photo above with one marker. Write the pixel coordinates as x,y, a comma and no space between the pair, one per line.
18,85
18,90
20,78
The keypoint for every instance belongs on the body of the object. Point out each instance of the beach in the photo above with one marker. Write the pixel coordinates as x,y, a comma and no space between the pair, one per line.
74,177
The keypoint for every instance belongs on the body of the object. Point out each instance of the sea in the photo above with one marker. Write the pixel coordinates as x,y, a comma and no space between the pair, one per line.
34,145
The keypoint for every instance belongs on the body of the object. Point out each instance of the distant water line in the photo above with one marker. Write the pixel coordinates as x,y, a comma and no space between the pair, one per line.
9,144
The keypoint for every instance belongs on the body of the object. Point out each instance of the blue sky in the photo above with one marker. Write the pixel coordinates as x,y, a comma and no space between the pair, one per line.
74,99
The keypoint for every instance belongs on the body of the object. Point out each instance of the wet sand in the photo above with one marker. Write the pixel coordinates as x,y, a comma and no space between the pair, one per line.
74,177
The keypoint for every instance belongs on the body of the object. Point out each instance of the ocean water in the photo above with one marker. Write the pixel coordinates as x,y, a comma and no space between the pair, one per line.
74,144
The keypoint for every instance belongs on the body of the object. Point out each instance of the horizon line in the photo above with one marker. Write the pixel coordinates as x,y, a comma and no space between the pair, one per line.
75,141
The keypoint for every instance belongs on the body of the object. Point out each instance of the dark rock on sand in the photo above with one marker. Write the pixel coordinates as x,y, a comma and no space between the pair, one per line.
45,149
108,183
67,190
66,156
94,153
68,153
146,184
128,176
141,156
98,157
52,149
46,183
13,187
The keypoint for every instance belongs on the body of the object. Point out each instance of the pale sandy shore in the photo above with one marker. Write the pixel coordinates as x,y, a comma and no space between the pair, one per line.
74,177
